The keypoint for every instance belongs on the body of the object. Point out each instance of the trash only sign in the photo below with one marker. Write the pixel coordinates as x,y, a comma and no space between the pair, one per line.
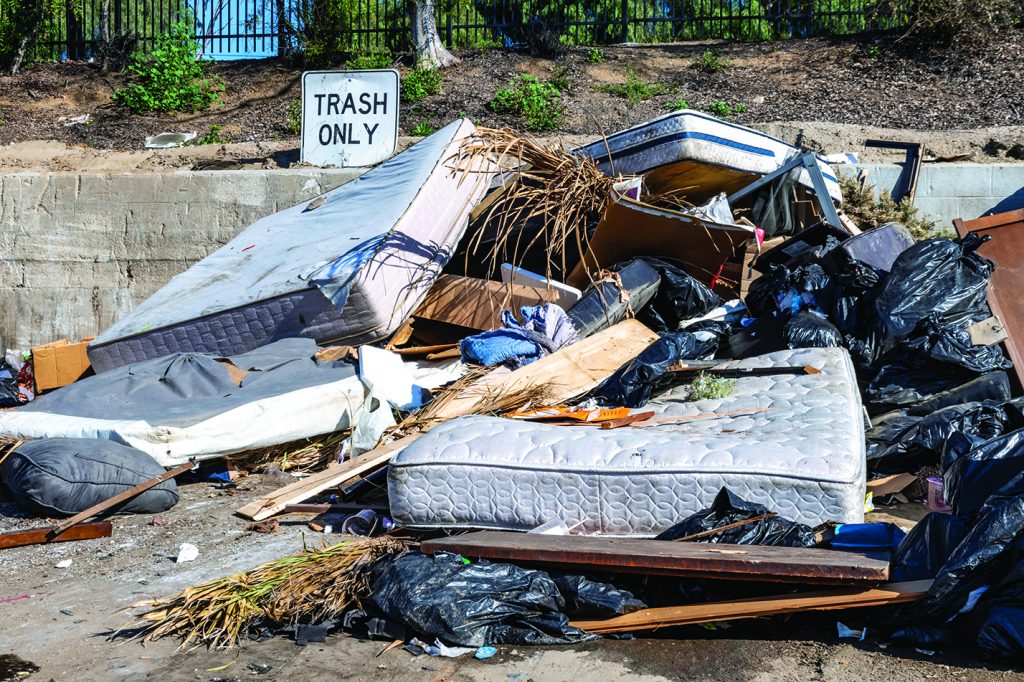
349,118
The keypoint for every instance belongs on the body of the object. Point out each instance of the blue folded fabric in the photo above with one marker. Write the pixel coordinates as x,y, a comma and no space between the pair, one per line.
545,329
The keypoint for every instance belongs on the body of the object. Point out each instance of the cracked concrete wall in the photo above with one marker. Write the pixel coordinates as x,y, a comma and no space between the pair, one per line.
78,251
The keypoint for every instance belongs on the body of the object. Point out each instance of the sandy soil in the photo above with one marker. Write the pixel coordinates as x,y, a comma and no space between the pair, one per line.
62,623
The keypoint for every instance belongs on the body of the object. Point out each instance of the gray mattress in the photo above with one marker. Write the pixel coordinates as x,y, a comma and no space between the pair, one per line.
348,270
798,449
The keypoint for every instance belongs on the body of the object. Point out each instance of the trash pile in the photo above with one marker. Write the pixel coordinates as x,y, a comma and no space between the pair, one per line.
544,387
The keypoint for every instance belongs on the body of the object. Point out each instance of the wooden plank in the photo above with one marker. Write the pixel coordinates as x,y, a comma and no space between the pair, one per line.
988,332
576,369
38,536
1006,250
120,497
568,372
305,488
695,560
692,614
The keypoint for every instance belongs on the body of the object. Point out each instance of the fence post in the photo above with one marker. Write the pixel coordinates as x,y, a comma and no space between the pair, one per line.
448,24
282,32
625,21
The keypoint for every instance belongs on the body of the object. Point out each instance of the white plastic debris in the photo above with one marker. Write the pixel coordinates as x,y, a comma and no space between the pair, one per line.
438,648
187,552
387,377
850,633
63,564
168,140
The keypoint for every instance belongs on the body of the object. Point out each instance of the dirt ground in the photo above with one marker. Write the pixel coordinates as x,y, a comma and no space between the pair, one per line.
818,81
59,620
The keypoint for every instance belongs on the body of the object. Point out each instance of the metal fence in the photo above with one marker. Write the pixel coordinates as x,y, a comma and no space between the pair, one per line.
241,29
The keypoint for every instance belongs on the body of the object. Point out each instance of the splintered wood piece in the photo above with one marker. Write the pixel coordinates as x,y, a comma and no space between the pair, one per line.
693,560
627,420
692,614
39,536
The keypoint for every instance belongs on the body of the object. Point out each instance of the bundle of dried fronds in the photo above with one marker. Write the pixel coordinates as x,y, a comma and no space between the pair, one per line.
674,199
869,210
309,587
306,454
558,191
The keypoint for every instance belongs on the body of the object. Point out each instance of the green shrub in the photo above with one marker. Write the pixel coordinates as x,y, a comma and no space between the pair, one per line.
171,78
212,137
710,62
723,109
635,90
874,52
595,55
295,117
535,101
678,104
422,129
370,60
421,83
560,79
707,386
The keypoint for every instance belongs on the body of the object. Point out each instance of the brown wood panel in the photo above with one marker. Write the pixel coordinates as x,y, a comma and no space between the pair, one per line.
684,559
38,536
691,614
1006,250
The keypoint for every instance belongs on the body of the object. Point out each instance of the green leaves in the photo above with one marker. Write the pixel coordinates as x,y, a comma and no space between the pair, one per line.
535,101
171,77
421,83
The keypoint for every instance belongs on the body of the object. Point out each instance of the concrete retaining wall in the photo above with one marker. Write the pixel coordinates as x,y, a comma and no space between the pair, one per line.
77,251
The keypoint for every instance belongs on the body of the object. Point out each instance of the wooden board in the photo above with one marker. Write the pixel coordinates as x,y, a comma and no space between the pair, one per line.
683,559
1006,250
305,488
39,536
477,303
691,614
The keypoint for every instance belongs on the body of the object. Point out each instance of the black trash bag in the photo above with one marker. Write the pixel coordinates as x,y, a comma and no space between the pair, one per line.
887,430
587,598
785,292
729,508
926,637
633,385
903,379
953,346
8,385
991,386
970,478
1001,634
680,297
923,442
978,561
926,547
944,277
473,604
808,329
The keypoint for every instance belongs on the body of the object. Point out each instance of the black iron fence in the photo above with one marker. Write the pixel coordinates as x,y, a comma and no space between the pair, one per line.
238,29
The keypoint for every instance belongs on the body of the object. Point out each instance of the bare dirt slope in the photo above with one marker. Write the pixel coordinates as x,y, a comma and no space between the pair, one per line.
859,82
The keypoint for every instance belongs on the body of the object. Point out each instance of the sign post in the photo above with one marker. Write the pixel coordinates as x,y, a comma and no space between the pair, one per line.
349,118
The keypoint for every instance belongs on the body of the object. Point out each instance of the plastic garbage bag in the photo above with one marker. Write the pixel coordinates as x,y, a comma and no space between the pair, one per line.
942,277
867,537
679,297
729,508
923,441
991,386
903,379
999,617
586,598
8,385
971,478
481,603
927,547
633,385
952,345
808,329
786,292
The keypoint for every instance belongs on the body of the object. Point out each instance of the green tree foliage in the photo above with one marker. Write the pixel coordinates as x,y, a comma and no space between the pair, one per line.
171,77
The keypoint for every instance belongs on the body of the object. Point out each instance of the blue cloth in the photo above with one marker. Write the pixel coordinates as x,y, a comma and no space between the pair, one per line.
544,329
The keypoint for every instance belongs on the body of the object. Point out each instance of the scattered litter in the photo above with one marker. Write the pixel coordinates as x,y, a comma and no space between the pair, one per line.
66,563
485,652
849,633
168,140
187,552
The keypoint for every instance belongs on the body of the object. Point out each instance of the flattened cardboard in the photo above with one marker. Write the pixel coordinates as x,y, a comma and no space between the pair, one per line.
477,303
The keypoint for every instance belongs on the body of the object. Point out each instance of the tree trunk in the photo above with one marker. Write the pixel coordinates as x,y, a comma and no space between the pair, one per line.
105,34
430,51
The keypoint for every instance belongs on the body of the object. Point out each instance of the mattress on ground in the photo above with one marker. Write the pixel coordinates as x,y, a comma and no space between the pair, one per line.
347,267
665,145
793,443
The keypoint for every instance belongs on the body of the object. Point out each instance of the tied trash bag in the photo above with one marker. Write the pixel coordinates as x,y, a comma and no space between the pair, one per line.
903,379
786,292
633,385
1000,614
586,598
729,508
8,385
942,277
680,297
993,467
487,603
808,329
927,547
952,345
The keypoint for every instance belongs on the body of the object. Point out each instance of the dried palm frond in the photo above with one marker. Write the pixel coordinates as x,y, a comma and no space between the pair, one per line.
561,190
311,587
674,199
303,455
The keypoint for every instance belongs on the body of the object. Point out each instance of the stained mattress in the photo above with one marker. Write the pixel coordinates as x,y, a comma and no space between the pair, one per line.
346,267
793,443
694,136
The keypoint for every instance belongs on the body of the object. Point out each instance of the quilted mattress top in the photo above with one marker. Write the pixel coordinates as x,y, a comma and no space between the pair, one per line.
786,425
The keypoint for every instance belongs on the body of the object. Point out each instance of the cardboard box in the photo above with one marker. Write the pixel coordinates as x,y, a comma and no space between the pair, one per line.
59,363
477,303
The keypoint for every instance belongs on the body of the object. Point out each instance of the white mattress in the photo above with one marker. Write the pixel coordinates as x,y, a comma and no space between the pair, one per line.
797,448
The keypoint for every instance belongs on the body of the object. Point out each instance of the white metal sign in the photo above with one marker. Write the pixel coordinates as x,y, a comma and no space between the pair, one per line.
349,118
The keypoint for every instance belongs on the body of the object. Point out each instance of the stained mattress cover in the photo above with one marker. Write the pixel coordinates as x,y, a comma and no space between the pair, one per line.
347,266
794,443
